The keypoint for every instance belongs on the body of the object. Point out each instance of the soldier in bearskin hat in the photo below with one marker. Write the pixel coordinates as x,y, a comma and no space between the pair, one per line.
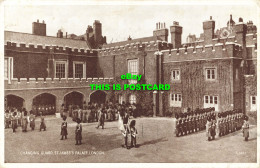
208,128
64,131
78,132
245,128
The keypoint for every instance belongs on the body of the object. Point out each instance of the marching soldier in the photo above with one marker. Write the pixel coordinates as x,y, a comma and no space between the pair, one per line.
42,124
213,127
245,128
19,118
64,131
184,124
188,123
7,119
14,121
177,125
78,132
32,120
208,128
24,121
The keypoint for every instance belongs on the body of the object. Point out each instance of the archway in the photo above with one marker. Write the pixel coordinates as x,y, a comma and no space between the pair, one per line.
74,98
45,103
98,97
13,101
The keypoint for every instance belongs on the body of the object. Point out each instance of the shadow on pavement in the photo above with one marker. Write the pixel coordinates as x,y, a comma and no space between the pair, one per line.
153,141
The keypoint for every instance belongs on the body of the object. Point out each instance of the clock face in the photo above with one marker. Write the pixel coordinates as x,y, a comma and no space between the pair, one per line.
224,33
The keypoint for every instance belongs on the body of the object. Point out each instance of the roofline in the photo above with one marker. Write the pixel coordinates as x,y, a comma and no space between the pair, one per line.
44,36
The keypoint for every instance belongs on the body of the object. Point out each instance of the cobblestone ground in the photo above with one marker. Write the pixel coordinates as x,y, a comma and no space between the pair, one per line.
156,140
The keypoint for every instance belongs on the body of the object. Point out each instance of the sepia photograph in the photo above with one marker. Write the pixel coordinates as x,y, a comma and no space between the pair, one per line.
129,82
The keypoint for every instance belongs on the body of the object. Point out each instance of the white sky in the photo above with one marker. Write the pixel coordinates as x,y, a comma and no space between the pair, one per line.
118,22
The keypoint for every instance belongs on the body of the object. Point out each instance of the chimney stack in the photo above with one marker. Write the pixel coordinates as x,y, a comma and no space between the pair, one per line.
209,28
176,32
39,28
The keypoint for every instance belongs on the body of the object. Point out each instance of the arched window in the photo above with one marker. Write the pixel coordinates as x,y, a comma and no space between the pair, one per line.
132,99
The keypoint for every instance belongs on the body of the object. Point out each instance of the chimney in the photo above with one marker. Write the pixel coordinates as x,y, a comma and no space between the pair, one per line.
161,32
60,34
241,30
66,34
97,28
39,28
209,28
176,32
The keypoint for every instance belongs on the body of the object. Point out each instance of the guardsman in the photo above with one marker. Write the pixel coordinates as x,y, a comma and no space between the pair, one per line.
133,132
14,121
181,124
184,123
188,123
220,125
213,127
24,121
196,121
64,131
7,119
78,132
32,120
177,126
208,128
19,118
245,128
42,124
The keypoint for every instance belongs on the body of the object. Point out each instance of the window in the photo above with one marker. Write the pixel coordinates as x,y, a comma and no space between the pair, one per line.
253,103
211,101
8,68
79,70
60,69
121,99
133,69
175,75
211,73
175,100
132,99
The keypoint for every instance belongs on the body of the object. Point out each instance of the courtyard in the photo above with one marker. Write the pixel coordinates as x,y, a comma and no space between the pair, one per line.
156,144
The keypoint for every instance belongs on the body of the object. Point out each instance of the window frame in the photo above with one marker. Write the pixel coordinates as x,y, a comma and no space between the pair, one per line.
84,68
130,98
66,68
175,100
173,71
10,68
133,81
213,71
253,107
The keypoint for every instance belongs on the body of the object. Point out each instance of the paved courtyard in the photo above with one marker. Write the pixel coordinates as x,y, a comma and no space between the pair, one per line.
156,140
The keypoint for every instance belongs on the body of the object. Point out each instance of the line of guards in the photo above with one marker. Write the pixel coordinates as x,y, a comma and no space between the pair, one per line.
16,117
220,124
89,112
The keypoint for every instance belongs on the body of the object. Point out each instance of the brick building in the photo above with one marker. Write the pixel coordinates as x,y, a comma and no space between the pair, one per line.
217,69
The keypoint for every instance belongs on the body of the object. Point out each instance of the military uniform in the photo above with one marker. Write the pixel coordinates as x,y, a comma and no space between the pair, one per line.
32,121
78,133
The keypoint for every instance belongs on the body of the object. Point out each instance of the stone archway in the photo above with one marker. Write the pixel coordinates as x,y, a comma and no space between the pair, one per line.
98,97
45,103
13,101
74,98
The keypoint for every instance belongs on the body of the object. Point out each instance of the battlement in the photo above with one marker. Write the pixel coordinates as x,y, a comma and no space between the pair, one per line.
39,48
134,47
211,51
42,83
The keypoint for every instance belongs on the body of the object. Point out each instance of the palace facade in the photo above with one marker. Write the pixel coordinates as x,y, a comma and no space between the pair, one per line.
217,69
